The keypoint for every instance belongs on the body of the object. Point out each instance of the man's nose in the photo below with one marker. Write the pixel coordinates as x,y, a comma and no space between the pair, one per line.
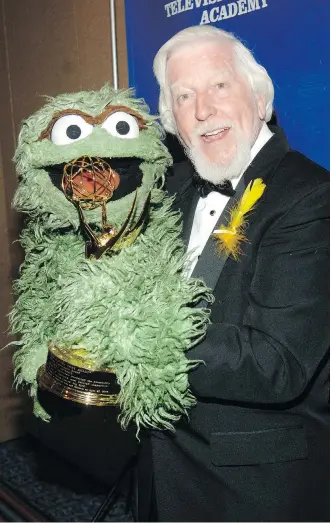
204,108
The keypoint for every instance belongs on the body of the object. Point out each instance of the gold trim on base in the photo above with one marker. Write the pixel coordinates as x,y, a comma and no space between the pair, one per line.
45,382
78,383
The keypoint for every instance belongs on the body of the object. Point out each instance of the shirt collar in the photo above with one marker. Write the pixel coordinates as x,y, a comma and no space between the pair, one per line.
264,135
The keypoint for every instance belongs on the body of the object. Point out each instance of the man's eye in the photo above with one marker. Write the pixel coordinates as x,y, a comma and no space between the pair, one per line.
182,97
220,85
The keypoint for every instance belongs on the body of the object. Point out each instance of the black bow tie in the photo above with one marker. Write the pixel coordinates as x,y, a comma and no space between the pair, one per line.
204,187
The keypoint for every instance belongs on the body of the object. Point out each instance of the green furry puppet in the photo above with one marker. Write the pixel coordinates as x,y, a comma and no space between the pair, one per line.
103,270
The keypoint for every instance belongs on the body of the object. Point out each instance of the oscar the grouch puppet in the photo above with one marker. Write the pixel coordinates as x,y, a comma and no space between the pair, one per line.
102,285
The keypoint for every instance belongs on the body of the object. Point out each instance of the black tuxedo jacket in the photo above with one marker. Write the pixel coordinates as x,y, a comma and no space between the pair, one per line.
255,448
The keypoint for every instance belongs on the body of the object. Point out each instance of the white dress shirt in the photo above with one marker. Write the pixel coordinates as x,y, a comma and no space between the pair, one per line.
209,209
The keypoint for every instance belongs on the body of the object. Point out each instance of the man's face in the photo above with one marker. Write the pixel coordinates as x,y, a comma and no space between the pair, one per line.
216,111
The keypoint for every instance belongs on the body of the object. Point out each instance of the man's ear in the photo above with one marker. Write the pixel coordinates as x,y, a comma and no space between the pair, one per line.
261,106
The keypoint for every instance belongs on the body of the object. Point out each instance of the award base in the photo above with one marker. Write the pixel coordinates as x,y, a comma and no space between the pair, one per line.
71,375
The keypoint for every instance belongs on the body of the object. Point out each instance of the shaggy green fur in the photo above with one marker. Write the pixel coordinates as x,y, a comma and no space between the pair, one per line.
134,310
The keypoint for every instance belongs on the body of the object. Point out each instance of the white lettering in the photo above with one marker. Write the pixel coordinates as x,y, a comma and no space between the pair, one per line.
204,18
204,3
242,9
173,6
233,9
214,14
253,5
188,5
167,8
223,14
180,6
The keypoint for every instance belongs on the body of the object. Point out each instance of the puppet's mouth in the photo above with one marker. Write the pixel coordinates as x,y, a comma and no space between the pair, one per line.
99,179
89,183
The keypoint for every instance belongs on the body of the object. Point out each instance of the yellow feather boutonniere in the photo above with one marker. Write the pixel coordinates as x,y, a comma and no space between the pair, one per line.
229,237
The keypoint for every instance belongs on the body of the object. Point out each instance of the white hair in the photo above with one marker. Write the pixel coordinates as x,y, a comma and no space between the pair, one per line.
257,76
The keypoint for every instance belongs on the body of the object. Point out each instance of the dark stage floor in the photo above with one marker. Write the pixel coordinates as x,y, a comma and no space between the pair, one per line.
32,477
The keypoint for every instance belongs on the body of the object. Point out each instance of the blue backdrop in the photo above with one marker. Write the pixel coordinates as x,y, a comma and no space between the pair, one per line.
289,37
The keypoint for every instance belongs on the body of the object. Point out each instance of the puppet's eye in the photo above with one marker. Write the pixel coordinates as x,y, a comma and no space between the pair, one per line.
70,128
122,125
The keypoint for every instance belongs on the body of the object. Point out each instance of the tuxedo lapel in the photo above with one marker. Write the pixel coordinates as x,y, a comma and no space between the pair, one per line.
268,158
210,264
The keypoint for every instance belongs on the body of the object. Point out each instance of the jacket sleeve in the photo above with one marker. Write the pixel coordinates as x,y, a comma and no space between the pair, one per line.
274,354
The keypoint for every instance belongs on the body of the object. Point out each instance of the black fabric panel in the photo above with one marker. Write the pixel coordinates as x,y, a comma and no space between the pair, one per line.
253,448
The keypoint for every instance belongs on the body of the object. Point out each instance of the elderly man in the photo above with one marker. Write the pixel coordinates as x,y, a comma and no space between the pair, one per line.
255,448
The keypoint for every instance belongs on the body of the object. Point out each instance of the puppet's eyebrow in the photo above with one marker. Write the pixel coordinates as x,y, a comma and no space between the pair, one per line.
110,109
46,133
93,120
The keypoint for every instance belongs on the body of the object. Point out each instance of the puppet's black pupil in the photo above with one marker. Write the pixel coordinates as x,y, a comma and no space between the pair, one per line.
122,127
73,132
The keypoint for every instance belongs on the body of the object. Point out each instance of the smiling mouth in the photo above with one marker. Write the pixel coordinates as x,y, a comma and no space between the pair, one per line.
215,135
